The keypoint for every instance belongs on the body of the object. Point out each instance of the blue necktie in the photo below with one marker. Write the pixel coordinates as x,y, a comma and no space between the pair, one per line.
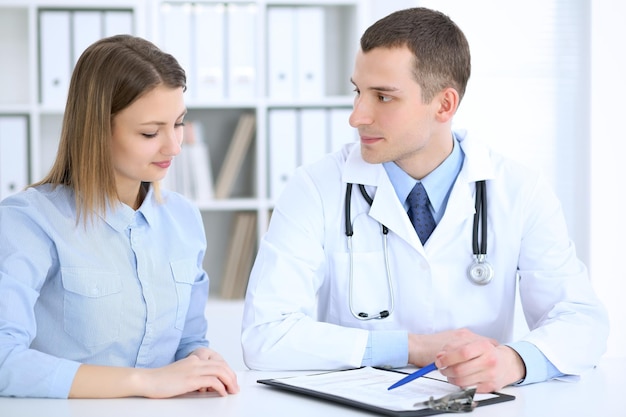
419,212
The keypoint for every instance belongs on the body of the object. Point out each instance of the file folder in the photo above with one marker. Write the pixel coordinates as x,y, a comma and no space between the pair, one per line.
281,52
200,170
55,57
340,130
86,29
310,62
118,22
209,52
242,48
283,138
176,34
313,135
13,154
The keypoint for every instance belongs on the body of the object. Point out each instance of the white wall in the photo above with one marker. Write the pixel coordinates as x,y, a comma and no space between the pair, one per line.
608,153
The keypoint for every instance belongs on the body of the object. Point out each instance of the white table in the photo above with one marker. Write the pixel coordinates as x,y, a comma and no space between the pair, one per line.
597,394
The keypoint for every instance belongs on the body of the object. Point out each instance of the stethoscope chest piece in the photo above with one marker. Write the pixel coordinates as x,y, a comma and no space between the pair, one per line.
480,272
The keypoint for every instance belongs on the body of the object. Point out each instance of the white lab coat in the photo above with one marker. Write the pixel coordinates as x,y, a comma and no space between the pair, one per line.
297,314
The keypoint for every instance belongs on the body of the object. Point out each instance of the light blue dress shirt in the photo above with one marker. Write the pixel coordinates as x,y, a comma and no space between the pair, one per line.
391,347
126,290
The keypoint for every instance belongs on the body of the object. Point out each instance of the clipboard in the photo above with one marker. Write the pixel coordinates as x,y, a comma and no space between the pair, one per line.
366,388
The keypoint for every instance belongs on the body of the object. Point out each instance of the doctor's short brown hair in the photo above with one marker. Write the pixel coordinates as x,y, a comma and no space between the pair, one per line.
441,51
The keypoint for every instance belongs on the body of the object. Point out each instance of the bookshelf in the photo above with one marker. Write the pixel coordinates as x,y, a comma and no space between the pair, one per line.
230,51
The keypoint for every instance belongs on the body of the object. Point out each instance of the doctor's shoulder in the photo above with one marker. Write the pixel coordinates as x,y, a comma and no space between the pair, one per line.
514,171
330,166
519,185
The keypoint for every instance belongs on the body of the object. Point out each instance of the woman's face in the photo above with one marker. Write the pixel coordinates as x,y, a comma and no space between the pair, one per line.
146,137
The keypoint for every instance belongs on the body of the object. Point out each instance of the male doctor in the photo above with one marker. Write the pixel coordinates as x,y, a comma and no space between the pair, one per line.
317,301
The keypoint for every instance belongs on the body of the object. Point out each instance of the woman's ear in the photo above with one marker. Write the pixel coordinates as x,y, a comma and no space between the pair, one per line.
448,100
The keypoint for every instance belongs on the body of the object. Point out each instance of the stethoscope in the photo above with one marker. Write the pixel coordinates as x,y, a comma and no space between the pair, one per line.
349,232
480,272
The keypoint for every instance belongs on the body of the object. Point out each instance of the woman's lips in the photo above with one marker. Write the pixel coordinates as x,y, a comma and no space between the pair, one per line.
163,164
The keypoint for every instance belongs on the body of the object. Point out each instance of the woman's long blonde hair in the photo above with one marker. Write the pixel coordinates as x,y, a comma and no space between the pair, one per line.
110,75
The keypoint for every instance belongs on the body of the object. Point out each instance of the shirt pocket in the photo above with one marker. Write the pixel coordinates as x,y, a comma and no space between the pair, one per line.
184,272
92,305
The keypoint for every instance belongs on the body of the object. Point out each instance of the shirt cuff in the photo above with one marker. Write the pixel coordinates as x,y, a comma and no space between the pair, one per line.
538,367
63,379
387,349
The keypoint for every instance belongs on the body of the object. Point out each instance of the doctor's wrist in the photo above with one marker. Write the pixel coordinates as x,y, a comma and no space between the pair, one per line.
515,366
419,355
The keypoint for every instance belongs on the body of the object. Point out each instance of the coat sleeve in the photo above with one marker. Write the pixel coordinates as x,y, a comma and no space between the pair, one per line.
280,328
567,321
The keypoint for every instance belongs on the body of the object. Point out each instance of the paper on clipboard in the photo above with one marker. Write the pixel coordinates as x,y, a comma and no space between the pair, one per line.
367,388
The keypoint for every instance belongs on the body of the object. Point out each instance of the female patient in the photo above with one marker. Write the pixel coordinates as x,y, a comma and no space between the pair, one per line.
101,277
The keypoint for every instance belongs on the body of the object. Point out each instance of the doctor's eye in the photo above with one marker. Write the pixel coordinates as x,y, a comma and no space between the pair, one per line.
384,99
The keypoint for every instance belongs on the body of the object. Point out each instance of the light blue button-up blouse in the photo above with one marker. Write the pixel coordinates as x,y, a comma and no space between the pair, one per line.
127,290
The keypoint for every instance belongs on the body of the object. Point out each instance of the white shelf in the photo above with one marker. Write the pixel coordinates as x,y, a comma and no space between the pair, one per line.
21,95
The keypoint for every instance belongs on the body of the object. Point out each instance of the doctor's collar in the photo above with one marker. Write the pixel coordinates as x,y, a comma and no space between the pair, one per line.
437,184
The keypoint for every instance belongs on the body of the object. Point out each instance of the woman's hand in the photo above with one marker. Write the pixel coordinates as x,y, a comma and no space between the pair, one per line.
203,370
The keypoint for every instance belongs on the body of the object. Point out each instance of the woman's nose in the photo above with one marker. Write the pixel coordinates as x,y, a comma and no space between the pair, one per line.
173,142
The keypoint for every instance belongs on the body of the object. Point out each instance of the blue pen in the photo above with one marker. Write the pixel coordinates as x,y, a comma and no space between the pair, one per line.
420,372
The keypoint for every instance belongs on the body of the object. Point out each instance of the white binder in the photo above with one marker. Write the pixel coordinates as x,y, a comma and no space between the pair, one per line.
310,52
117,22
313,135
87,28
281,57
55,58
340,130
283,139
13,154
176,33
209,51
201,173
242,48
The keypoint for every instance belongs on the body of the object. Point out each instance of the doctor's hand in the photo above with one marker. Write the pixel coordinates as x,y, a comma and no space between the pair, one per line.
480,362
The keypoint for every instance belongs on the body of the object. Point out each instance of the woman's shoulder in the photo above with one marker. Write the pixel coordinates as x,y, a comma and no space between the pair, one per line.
40,197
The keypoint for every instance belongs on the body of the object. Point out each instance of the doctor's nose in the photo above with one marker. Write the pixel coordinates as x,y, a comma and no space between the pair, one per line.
361,114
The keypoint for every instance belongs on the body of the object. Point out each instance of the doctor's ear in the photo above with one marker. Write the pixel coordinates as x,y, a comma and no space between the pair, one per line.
448,100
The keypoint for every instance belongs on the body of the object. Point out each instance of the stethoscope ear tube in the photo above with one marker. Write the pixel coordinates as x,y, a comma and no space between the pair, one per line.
346,206
480,272
349,232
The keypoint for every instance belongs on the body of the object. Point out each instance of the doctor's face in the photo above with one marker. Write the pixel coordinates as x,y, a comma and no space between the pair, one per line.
394,123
